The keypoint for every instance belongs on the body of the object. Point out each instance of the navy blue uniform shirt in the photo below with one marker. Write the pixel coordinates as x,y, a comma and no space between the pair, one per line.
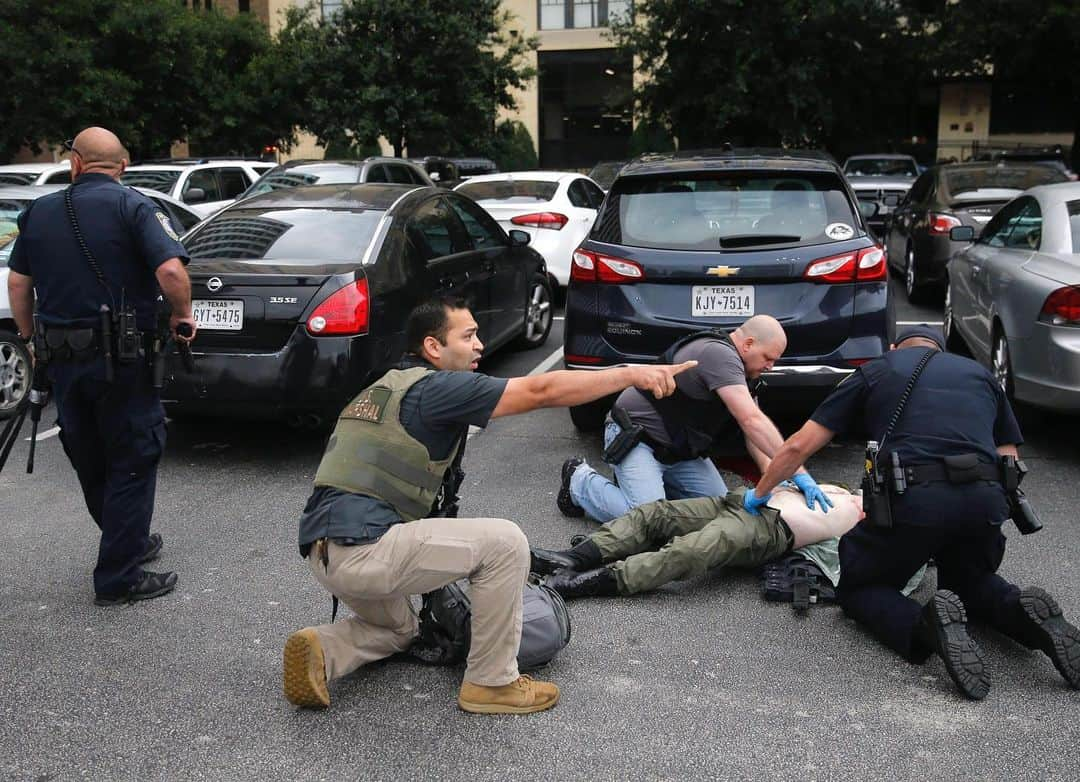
438,411
128,236
955,407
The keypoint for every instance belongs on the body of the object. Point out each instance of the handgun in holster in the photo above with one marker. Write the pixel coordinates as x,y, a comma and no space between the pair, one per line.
1021,511
629,436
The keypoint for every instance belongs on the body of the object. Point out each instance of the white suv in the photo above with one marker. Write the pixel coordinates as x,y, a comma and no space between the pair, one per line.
204,185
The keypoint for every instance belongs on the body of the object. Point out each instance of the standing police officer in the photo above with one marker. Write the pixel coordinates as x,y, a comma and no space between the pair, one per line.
94,256
949,442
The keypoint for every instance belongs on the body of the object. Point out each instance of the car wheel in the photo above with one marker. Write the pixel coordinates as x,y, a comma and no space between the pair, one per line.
539,311
590,417
15,374
911,281
1001,364
954,343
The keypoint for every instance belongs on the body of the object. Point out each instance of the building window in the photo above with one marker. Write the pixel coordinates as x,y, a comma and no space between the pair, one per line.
331,7
244,6
563,14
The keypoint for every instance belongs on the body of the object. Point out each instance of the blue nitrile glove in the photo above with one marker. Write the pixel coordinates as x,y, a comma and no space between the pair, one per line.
813,493
751,502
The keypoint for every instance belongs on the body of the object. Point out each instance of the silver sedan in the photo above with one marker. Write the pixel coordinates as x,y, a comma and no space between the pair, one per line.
1013,296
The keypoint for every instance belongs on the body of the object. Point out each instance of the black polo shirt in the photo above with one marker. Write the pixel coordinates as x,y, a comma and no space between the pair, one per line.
128,236
955,407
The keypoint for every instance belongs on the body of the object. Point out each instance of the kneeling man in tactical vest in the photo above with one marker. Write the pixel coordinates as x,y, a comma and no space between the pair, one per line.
378,526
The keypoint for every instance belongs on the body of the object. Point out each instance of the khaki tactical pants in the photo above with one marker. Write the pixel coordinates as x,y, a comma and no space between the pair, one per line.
376,580
671,540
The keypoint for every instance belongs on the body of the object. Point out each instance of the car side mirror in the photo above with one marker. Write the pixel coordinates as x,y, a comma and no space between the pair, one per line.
194,195
962,233
868,209
892,200
519,238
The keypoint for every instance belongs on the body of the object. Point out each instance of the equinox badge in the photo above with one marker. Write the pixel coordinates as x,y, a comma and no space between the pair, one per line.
722,271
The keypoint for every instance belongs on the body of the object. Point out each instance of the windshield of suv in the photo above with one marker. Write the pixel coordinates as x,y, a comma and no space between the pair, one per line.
295,235
881,166
317,174
965,180
727,210
162,181
511,191
17,178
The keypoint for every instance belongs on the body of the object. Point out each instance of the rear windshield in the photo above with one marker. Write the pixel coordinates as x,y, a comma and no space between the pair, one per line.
1074,224
727,210
1011,177
17,178
881,167
285,178
516,191
162,181
295,235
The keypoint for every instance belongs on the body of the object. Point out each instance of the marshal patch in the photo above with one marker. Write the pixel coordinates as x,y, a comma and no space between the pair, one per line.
369,405
166,225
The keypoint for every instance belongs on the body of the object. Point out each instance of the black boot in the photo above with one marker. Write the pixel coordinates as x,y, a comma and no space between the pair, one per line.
565,501
600,582
1057,637
583,556
943,628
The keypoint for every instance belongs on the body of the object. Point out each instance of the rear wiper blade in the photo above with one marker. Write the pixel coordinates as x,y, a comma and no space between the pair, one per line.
751,240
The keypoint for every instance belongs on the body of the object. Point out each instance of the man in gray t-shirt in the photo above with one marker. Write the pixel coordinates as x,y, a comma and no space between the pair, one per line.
712,409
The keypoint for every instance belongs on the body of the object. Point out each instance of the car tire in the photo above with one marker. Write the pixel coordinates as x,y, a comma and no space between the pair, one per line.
539,313
16,374
589,417
912,285
954,343
1001,363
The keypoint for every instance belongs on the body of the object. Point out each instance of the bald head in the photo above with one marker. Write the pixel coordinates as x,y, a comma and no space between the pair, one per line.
97,150
760,341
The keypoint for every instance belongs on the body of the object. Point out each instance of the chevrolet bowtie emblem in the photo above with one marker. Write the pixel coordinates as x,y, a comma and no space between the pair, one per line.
722,271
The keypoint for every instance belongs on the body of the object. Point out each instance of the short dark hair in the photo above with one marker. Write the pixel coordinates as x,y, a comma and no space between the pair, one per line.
430,318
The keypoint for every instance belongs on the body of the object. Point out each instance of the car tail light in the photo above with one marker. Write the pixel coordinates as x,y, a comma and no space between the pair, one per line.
942,224
865,265
345,311
597,267
1063,306
571,358
858,362
552,220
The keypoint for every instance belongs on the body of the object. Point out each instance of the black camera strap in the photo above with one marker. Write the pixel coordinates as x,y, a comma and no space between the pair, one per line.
82,244
930,352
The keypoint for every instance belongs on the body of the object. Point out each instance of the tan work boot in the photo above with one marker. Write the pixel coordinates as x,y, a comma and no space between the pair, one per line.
522,696
305,670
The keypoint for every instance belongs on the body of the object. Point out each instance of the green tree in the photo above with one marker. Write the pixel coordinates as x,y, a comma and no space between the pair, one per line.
650,136
512,148
430,69
772,72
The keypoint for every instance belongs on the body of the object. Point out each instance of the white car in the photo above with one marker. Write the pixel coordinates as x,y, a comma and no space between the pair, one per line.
36,173
206,186
555,208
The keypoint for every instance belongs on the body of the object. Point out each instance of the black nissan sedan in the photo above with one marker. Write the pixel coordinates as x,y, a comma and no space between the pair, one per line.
704,240
301,293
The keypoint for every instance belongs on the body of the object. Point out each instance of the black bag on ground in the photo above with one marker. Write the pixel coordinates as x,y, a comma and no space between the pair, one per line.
795,579
445,633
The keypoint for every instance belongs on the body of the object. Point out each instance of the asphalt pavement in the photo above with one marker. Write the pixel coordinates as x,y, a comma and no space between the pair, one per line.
700,680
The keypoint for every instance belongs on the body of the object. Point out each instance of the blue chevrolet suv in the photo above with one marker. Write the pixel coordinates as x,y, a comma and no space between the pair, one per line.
706,239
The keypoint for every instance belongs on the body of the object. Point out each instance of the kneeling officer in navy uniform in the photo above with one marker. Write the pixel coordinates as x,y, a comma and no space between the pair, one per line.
941,483
94,256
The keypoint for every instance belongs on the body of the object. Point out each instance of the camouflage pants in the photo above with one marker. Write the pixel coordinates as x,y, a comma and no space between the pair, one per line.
671,540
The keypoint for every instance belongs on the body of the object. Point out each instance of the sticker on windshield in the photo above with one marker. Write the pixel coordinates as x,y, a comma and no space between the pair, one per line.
166,225
839,231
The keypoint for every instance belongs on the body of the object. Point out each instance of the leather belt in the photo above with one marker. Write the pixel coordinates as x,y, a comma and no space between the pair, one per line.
926,473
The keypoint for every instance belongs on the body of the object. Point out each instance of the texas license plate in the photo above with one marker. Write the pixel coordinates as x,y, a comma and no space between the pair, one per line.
219,314
719,300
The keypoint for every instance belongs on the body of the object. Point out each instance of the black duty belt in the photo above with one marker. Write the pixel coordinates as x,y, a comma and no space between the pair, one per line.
926,473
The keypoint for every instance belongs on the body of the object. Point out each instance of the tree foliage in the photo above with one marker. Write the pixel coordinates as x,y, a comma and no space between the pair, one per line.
150,70
512,148
430,69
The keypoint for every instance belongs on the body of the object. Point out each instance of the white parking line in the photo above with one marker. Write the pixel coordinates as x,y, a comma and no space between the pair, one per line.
46,434
540,368
920,323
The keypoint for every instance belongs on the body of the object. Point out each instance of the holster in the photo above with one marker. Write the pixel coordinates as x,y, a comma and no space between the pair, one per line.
58,344
630,434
